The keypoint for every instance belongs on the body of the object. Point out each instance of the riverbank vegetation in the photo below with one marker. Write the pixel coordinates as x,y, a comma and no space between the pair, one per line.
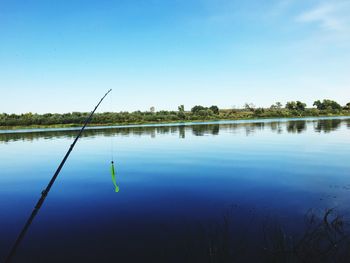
197,113
323,237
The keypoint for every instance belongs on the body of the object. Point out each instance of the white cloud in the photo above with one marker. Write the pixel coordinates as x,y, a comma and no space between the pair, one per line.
331,16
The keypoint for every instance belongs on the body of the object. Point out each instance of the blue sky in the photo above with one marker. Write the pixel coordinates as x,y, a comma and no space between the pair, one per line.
61,56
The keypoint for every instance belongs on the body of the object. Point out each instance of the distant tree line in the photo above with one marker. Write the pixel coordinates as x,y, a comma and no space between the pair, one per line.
197,113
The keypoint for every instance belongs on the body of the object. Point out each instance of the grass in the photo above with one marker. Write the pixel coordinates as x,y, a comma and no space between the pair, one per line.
324,238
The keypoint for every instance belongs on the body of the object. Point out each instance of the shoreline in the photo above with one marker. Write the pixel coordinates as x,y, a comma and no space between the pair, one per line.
70,127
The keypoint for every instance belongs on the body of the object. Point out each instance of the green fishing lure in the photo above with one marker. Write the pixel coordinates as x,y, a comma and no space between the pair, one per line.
113,178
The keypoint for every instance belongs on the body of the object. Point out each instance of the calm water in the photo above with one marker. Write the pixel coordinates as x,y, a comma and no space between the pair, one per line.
172,179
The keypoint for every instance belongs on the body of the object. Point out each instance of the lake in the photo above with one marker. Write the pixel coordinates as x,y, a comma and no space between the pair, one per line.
183,188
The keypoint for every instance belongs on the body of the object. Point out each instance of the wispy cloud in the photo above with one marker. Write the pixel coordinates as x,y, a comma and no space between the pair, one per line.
331,16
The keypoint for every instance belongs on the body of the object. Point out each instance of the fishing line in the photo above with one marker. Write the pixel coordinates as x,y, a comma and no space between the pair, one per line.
112,135
114,180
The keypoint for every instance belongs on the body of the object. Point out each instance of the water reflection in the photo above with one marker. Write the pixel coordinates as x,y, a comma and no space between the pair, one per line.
329,125
201,130
296,126
249,128
276,127
171,187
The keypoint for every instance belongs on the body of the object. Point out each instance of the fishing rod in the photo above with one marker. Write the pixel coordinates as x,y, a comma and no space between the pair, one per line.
45,192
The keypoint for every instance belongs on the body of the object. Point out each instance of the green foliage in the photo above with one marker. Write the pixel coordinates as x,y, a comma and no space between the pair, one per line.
197,113
197,108
276,106
181,114
259,112
300,106
296,106
327,105
291,105
214,109
249,107
318,105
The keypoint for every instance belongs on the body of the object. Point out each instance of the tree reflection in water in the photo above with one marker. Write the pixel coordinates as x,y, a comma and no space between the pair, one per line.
294,126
